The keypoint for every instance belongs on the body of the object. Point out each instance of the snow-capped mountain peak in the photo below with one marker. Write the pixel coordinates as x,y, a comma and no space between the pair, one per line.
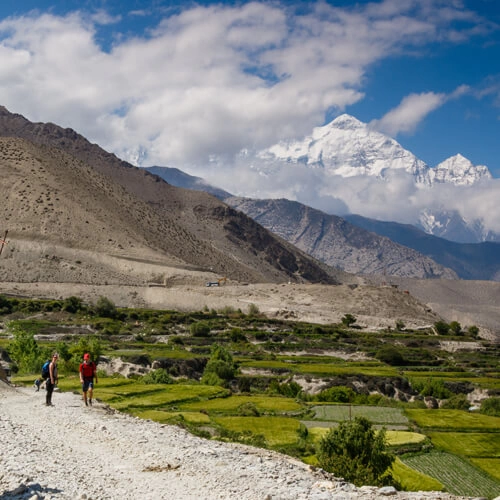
348,147
460,171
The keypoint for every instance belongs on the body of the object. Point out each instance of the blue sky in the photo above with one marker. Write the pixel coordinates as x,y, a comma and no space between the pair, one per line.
427,72
194,84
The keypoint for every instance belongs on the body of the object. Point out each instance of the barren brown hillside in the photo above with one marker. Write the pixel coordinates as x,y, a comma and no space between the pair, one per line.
51,198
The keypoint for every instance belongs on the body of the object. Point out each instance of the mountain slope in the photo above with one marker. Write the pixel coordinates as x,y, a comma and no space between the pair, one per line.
338,243
328,238
64,191
478,261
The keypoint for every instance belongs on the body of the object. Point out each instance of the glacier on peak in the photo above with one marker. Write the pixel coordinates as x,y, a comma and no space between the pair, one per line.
348,147
460,171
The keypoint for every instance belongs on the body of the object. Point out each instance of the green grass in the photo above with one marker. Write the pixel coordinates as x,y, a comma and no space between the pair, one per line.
468,444
457,475
375,414
453,419
394,438
489,465
127,397
231,404
276,430
167,416
413,480
372,369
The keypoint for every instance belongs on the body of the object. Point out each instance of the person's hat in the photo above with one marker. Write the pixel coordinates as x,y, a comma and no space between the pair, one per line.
86,356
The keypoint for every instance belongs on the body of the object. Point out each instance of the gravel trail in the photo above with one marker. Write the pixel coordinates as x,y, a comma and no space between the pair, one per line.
73,452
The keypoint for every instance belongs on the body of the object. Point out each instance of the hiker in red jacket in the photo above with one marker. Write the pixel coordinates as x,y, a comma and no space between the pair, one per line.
88,373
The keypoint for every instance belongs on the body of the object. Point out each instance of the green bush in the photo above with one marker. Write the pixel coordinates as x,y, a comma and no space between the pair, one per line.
456,402
105,308
442,328
200,329
354,451
220,368
348,320
491,407
338,394
159,376
390,355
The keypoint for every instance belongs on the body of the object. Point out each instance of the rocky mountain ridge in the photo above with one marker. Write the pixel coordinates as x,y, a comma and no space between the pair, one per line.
383,248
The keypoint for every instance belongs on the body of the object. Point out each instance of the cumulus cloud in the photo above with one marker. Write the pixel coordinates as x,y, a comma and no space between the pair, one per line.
208,80
413,109
204,83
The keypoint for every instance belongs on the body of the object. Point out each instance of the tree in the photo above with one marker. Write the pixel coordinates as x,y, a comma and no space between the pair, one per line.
24,350
220,368
105,308
200,329
348,320
491,406
354,451
390,355
456,328
442,328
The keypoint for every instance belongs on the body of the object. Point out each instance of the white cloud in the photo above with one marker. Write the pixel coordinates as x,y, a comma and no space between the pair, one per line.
209,81
410,112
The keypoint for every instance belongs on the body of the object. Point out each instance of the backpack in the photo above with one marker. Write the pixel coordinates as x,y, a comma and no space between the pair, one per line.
46,370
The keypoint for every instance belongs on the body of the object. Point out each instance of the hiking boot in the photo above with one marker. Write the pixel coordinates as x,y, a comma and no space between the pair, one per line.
90,401
86,404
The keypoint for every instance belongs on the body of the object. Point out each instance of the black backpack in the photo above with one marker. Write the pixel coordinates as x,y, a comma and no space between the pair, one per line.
46,370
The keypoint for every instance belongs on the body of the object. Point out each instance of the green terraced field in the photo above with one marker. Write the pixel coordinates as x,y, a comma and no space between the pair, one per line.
456,474
453,420
231,404
468,444
276,430
376,414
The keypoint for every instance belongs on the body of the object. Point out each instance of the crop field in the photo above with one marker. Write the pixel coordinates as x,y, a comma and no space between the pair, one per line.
324,369
192,417
490,465
456,474
376,414
135,395
468,444
453,420
413,480
275,430
231,404
393,438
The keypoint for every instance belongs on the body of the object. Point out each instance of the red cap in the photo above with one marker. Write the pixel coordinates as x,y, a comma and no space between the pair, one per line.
86,356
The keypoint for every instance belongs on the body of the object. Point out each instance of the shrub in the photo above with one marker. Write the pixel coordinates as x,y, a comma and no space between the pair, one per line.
72,304
456,402
200,329
491,406
105,308
338,394
473,331
456,328
159,376
348,320
442,328
220,368
390,355
24,350
354,451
